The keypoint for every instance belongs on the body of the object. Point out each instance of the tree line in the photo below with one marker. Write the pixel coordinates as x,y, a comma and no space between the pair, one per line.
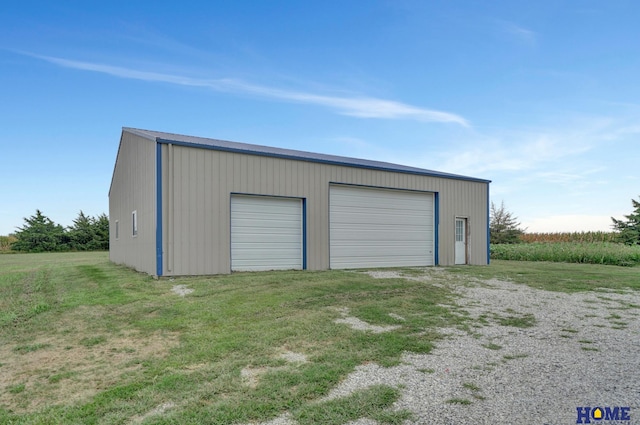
40,234
504,227
87,233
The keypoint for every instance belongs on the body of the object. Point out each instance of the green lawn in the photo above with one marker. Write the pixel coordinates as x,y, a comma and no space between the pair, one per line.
553,276
84,341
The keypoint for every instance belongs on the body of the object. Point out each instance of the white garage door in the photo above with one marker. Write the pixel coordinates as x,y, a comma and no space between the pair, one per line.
380,228
266,233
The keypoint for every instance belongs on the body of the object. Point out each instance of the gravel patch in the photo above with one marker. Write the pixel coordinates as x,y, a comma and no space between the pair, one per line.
570,350
363,421
157,411
397,317
391,274
384,274
181,290
582,350
284,419
361,325
251,375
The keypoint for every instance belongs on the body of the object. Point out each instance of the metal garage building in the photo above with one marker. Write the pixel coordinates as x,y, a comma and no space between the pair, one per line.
183,205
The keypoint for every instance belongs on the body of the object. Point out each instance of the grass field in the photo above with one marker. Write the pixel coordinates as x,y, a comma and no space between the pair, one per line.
83,341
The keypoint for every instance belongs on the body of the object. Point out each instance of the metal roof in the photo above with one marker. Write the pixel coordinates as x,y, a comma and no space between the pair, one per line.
223,145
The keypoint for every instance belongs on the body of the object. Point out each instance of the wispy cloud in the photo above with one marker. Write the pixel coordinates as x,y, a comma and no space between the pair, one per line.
356,106
555,150
515,155
519,32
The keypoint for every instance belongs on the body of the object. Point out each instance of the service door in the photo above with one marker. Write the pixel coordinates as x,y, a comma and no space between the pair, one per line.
461,241
266,233
371,227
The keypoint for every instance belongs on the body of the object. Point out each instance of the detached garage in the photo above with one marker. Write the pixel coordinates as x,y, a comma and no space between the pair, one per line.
183,205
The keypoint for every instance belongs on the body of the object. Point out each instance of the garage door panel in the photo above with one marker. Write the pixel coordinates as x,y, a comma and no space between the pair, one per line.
383,206
284,255
380,227
276,216
250,266
261,224
383,231
376,210
381,261
383,220
362,202
403,237
266,233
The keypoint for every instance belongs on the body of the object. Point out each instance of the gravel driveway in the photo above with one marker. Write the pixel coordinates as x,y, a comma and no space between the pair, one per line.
583,350
578,350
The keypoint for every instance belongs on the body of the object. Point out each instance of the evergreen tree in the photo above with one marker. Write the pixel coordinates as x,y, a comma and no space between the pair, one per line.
629,229
89,233
503,226
40,234
101,225
81,233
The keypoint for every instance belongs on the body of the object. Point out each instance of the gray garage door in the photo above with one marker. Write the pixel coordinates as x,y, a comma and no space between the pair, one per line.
266,233
380,228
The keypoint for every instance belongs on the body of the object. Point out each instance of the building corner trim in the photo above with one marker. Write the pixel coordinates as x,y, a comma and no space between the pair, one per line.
158,209
436,225
304,233
488,227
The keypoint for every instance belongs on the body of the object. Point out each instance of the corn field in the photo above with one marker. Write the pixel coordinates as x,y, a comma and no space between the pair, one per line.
5,243
580,237
569,252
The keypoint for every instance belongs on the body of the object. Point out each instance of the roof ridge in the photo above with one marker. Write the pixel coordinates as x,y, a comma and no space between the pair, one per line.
264,150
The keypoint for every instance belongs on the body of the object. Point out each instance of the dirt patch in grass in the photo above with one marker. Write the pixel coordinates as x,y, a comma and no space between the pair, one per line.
157,411
181,290
360,325
67,369
293,357
251,375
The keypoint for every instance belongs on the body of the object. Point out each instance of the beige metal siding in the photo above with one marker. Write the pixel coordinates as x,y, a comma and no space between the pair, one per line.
197,185
133,188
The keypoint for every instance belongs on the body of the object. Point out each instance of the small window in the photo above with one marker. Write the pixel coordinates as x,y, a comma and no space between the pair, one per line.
459,231
117,229
134,223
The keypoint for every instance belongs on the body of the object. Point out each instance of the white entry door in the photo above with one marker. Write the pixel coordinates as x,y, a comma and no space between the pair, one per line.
461,241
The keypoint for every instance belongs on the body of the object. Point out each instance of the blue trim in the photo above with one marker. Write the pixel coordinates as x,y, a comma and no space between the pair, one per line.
230,235
380,187
304,233
320,161
158,209
266,196
329,224
436,224
488,229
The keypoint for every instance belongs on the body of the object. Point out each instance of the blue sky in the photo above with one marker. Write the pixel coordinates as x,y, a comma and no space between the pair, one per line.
542,98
